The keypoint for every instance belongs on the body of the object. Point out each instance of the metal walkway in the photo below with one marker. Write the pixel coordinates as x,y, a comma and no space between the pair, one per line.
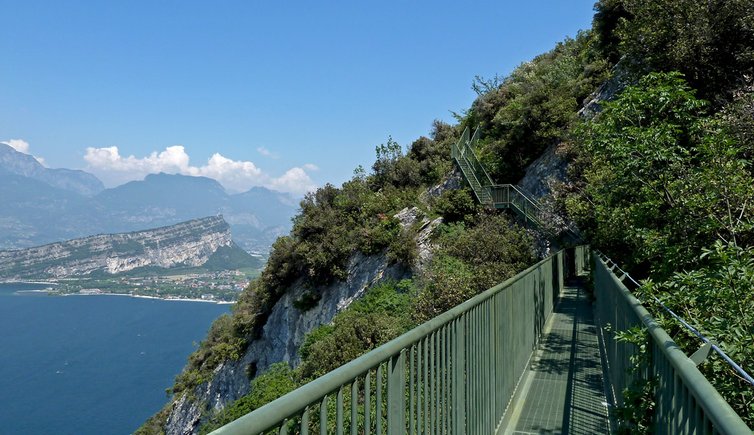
563,390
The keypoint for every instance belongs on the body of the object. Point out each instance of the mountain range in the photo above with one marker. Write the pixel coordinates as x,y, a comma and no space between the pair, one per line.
39,205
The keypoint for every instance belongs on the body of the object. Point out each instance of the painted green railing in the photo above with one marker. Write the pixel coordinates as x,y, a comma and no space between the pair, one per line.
685,401
454,374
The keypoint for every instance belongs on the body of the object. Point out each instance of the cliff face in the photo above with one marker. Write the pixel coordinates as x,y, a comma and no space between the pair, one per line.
282,335
188,243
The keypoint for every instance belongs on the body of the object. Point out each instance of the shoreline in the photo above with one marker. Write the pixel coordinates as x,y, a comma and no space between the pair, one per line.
144,297
52,292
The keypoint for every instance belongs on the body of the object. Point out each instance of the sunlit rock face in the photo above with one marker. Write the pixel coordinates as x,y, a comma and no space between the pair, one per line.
185,244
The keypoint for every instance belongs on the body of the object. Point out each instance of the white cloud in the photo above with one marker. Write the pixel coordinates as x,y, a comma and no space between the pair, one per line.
311,167
295,180
18,144
267,153
234,175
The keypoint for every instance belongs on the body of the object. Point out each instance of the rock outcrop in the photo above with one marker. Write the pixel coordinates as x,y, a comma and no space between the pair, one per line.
187,244
282,334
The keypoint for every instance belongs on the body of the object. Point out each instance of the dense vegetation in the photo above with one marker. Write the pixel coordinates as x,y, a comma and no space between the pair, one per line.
660,179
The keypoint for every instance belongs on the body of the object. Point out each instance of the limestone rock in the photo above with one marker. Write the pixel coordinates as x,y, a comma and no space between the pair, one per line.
281,337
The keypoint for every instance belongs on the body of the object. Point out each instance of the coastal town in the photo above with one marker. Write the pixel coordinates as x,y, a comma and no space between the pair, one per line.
219,287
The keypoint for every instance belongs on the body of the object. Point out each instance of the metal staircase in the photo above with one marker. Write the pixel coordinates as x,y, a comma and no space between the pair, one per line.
503,196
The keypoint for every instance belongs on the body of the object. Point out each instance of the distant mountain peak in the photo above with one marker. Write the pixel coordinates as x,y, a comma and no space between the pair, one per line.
18,163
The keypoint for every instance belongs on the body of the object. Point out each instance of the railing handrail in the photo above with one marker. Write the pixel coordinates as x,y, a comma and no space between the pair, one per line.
294,402
735,366
724,418
466,151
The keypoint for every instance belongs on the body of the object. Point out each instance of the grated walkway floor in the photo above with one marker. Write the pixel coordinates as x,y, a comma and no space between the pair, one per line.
563,391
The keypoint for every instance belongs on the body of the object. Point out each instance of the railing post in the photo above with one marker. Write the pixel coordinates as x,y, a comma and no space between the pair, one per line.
396,394
459,378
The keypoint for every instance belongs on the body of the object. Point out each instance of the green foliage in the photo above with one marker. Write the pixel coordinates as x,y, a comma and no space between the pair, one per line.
221,344
535,105
277,381
717,299
711,43
608,14
307,301
379,316
455,205
470,260
663,177
154,425
402,248
433,155
635,415
392,168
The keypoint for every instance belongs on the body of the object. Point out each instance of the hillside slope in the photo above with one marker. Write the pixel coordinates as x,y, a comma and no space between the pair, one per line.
187,244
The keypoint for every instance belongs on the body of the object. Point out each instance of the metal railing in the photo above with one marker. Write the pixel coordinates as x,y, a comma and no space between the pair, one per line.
502,195
453,374
685,401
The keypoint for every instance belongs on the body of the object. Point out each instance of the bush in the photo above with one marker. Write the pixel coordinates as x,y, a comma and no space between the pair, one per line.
381,315
711,43
471,260
534,107
455,205
277,381
663,177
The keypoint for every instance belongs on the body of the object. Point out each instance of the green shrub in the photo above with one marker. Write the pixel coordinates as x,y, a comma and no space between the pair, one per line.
711,43
471,259
277,381
663,177
455,205
535,106
379,316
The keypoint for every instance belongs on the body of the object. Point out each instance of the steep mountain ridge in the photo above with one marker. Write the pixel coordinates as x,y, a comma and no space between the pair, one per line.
187,244
33,212
18,163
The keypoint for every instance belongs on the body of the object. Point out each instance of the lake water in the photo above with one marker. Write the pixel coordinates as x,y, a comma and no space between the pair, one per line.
90,364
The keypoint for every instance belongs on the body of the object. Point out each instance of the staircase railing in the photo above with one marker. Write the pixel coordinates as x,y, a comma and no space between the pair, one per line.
501,195
454,374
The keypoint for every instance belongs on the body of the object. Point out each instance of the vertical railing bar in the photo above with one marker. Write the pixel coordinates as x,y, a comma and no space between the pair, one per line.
378,401
427,386
304,427
446,374
487,367
396,393
419,386
441,381
477,392
411,397
458,375
323,416
355,407
339,412
283,427
368,402
433,381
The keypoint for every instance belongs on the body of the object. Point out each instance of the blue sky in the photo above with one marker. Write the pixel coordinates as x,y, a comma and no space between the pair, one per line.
289,94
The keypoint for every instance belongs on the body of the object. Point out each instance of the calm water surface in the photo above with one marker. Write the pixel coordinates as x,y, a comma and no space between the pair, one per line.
90,364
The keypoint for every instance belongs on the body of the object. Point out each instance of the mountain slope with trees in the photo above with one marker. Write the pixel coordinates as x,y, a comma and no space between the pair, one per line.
659,178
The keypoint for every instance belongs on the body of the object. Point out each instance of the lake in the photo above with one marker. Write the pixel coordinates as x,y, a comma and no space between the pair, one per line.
91,364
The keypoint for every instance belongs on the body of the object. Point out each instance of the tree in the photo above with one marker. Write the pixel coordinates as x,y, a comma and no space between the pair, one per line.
664,177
